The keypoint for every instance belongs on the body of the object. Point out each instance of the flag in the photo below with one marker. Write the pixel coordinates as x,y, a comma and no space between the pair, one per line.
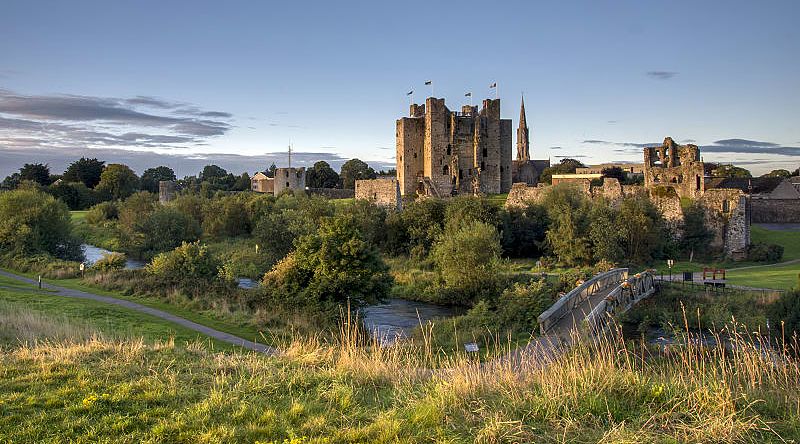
410,92
428,82
493,85
468,94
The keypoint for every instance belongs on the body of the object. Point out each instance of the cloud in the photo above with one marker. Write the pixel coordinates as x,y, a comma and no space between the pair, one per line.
612,121
70,121
745,146
184,164
625,144
576,156
556,148
661,75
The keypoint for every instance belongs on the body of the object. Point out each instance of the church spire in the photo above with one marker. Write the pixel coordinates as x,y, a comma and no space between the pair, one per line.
523,139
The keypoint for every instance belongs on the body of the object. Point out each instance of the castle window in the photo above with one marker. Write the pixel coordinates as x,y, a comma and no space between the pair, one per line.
449,149
460,174
483,165
415,155
697,184
485,152
287,174
726,206
287,184
445,170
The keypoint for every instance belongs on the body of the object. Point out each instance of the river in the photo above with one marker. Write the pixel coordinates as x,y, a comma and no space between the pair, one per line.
398,317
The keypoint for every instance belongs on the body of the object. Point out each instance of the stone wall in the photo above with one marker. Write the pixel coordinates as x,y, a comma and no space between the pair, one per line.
382,192
332,193
726,217
776,211
410,141
522,194
675,165
166,191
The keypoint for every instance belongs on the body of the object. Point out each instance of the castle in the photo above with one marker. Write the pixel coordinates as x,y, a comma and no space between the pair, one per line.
443,153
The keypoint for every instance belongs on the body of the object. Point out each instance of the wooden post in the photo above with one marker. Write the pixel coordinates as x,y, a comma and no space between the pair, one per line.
40,282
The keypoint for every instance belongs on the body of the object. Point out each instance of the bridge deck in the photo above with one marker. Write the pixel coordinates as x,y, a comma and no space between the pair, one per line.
572,320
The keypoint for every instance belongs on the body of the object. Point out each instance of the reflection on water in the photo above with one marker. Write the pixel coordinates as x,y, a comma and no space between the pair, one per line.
94,254
395,319
247,283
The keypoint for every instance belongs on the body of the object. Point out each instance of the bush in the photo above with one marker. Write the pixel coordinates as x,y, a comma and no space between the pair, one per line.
75,195
519,307
225,217
524,231
787,310
468,261
185,264
102,213
333,265
110,262
32,221
761,252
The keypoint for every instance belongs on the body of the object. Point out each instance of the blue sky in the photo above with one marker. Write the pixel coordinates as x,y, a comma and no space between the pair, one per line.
233,82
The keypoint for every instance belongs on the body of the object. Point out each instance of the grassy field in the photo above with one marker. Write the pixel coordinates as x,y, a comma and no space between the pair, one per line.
128,391
112,321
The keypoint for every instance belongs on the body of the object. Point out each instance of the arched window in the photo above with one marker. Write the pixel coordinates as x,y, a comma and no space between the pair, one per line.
445,170
485,152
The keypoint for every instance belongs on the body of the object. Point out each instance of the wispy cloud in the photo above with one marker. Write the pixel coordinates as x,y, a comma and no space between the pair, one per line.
71,121
184,164
661,75
746,146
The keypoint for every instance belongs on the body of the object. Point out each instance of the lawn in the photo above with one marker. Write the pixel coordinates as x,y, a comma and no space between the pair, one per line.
111,320
778,277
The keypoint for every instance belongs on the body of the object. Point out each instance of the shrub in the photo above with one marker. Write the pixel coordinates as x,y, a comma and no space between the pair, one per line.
225,217
524,231
75,195
468,261
32,221
111,262
761,252
189,262
519,307
102,213
787,310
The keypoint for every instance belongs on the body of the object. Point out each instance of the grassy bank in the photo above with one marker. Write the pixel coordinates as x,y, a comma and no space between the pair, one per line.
128,391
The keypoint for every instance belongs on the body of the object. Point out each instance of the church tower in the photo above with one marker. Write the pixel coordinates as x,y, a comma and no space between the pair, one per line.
523,139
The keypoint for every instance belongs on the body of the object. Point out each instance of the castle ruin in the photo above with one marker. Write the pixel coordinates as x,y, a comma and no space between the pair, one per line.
443,153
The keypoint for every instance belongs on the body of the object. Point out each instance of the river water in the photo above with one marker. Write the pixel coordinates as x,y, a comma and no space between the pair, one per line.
398,317
94,254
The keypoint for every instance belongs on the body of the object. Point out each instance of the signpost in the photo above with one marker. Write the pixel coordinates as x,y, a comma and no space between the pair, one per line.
471,347
82,267
670,263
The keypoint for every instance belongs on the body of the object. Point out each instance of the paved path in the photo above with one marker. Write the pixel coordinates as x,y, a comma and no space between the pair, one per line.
216,334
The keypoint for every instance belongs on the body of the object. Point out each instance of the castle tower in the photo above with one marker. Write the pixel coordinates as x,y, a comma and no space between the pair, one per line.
523,138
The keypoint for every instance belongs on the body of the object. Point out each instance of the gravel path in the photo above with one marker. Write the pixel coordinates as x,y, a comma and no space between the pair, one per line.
216,334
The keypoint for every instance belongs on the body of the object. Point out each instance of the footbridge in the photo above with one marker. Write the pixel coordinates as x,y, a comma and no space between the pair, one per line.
590,307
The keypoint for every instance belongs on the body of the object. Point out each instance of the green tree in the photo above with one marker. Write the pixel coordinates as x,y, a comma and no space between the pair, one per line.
271,170
35,172
333,265
468,261
778,173
730,171
152,176
242,183
225,217
524,230
321,175
642,228
353,170
75,194
787,310
605,234
117,181
84,170
696,235
463,210
614,172
565,166
33,222
415,229
568,235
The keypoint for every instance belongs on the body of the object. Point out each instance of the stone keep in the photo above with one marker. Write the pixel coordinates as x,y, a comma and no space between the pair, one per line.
443,153
678,166
166,191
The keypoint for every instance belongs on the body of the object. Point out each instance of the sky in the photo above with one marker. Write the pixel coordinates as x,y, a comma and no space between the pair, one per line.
186,83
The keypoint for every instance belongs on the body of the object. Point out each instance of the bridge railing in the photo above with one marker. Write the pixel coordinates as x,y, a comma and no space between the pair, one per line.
619,300
567,303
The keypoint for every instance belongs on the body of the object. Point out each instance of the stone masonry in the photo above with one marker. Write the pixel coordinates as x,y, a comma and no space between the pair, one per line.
166,191
289,179
443,153
382,192
676,165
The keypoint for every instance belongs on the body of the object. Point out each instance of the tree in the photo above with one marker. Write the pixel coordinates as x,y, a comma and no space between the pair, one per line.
242,183
730,171
568,235
271,170
696,234
565,166
212,173
321,175
185,264
117,181
614,172
353,170
152,176
605,234
84,170
333,265
11,182
468,261
524,230
32,221
463,210
778,173
35,172
225,217
787,310
75,194
642,228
